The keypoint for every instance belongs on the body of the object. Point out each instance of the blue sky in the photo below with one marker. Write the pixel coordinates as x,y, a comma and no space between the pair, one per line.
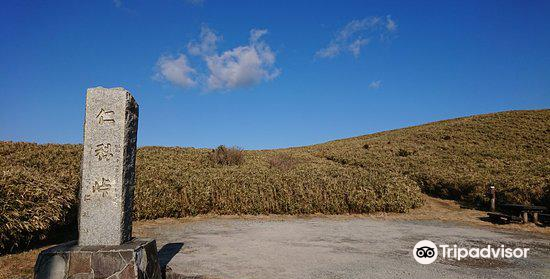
268,74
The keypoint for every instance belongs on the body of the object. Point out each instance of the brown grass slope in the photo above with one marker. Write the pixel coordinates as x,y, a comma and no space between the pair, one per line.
386,171
460,158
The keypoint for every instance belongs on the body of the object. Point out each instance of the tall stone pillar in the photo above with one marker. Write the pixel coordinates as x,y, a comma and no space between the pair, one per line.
105,247
108,167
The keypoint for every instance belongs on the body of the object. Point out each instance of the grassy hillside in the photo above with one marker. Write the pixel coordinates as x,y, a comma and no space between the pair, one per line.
386,171
460,158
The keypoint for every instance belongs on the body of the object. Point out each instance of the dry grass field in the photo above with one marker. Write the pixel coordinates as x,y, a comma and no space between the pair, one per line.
382,172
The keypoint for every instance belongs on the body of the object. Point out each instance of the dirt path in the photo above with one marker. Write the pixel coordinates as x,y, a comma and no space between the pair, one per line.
321,247
437,214
434,209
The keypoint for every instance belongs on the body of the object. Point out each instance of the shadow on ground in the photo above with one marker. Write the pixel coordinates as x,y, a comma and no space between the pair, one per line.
165,254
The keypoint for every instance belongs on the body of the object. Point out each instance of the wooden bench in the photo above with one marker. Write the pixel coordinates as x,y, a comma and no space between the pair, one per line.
501,218
525,210
544,219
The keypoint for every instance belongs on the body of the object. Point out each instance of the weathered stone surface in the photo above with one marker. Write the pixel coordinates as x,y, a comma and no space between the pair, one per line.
152,262
128,272
79,263
132,260
105,264
108,167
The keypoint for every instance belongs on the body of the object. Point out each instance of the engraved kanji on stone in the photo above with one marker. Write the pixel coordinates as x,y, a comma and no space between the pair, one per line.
102,188
106,116
103,151
108,167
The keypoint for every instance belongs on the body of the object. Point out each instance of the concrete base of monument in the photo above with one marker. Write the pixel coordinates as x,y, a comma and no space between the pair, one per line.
135,259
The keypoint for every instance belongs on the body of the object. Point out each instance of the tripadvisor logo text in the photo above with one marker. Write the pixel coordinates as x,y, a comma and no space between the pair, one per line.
426,252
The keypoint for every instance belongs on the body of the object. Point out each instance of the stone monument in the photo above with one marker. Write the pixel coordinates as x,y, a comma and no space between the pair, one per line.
105,247
108,162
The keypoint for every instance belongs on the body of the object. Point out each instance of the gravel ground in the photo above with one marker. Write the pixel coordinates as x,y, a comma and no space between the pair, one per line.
336,248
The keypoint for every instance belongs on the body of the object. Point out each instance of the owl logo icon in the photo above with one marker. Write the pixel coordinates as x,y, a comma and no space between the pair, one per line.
425,252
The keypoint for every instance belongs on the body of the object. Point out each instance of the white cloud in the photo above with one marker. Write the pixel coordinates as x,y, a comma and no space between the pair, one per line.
355,47
390,24
256,34
356,34
118,3
175,70
375,84
330,51
242,66
207,43
357,26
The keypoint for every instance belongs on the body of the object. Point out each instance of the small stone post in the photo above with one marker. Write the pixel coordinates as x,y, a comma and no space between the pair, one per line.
493,198
105,247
